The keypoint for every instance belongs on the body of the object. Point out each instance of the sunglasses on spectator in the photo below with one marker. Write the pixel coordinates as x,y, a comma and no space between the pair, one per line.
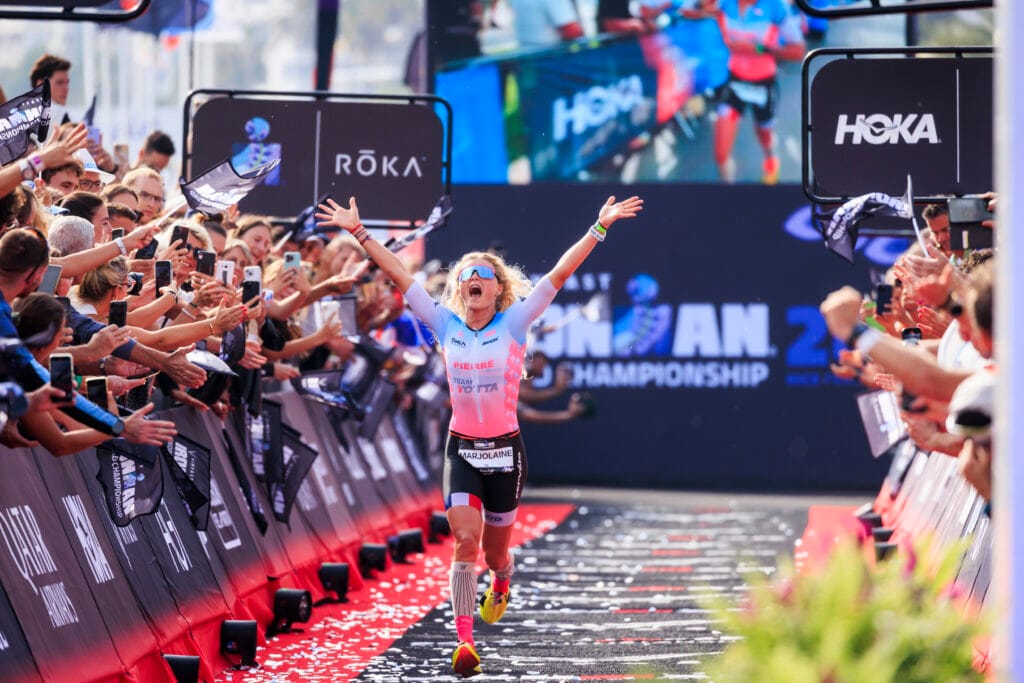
150,197
482,272
89,185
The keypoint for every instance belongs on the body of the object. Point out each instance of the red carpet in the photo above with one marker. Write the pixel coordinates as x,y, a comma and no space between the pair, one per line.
340,640
827,525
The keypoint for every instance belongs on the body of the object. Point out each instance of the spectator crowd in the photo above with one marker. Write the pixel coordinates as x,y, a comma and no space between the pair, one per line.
115,302
931,344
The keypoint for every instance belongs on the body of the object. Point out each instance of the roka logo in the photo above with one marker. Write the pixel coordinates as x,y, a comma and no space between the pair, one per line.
881,129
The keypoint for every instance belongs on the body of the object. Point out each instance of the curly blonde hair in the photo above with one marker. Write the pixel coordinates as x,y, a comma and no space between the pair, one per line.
516,284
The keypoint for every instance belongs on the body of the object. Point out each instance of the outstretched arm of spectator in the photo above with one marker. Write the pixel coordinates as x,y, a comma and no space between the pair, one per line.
55,154
918,372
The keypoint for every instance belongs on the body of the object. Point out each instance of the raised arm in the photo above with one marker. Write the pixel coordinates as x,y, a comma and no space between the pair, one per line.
333,213
578,253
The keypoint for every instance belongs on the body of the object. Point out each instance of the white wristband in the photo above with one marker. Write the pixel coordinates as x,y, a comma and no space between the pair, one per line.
867,340
120,245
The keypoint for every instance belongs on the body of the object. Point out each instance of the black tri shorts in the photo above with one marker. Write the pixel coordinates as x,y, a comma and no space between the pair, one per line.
487,474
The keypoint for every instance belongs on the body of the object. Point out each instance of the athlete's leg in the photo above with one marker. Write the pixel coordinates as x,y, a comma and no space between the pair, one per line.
764,128
766,136
466,524
501,503
463,488
495,544
726,126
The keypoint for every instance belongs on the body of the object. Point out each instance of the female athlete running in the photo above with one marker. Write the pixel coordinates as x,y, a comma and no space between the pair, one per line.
481,324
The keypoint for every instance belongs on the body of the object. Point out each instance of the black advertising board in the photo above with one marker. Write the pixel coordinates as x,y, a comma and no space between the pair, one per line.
227,531
83,525
322,479
389,152
47,589
15,657
136,558
194,577
711,367
873,117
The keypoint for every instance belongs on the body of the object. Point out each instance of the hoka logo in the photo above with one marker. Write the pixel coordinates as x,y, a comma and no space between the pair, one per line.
595,106
880,129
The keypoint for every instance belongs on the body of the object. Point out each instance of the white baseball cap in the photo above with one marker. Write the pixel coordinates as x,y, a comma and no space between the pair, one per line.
970,408
89,164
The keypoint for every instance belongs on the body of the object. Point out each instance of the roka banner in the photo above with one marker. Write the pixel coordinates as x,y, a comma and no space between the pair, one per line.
873,120
22,116
388,152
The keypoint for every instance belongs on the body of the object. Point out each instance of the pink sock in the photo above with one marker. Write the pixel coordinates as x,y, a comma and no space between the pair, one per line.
500,585
464,628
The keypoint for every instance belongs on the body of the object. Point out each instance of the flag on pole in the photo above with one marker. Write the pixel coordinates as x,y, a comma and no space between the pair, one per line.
21,117
213,191
90,113
132,479
437,219
189,464
840,232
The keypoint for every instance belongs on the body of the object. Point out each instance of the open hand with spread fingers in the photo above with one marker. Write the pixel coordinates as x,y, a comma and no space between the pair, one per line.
333,213
612,211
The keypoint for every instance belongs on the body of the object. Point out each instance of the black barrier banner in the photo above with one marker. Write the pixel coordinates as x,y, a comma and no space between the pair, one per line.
299,546
298,459
412,446
336,494
189,464
252,501
377,403
363,499
50,595
262,433
265,432
408,492
21,117
389,155
15,657
132,479
136,558
84,526
189,571
889,117
260,554
213,191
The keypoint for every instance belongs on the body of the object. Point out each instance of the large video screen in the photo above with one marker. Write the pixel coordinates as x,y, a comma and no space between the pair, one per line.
653,91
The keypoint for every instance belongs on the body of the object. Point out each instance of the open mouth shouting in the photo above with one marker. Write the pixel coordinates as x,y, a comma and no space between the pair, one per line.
475,290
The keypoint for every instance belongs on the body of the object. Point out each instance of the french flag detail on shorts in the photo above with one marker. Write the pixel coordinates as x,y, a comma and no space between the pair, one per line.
463,499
